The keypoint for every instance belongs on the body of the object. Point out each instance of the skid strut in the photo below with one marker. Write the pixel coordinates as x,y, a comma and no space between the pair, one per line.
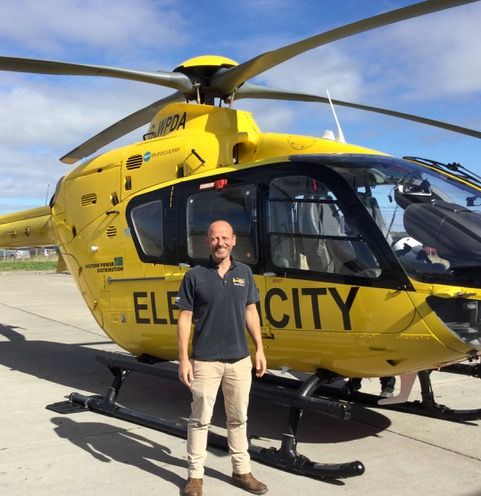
430,408
427,407
286,457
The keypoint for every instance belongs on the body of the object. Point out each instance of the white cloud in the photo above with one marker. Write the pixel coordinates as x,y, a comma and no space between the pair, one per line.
434,56
21,177
270,116
57,26
325,68
53,116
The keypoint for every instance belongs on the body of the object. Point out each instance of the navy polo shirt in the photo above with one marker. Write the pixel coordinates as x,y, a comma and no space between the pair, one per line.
218,305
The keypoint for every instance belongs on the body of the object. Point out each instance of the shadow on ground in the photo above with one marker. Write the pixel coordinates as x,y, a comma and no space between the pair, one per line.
74,366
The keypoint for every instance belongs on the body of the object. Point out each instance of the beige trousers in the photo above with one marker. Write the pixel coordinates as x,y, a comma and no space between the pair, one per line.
236,382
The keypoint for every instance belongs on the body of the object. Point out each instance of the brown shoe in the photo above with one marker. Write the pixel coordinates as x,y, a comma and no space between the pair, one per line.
249,483
193,487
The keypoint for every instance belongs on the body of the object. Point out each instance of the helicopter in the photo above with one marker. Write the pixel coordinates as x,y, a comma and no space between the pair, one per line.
367,265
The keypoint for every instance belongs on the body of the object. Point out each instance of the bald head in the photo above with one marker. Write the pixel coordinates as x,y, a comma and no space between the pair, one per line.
220,224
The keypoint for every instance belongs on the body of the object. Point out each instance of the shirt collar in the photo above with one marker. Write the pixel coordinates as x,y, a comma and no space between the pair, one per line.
215,265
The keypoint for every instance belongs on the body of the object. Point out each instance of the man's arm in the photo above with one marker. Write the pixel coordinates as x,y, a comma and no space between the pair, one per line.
254,328
184,325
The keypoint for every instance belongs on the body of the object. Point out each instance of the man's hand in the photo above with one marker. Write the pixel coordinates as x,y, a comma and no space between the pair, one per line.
184,324
254,329
186,373
261,363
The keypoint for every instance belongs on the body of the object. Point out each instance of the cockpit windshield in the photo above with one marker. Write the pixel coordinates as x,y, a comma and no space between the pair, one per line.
431,220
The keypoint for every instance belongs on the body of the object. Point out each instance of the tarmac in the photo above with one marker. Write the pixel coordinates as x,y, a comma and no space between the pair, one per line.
48,345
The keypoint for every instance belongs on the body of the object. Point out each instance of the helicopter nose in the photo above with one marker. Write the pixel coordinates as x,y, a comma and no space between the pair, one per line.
461,315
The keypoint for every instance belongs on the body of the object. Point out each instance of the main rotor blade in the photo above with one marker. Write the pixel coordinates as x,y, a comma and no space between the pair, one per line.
119,129
173,80
229,80
255,91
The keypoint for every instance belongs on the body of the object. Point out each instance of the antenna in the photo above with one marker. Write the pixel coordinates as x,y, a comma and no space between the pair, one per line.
46,196
340,134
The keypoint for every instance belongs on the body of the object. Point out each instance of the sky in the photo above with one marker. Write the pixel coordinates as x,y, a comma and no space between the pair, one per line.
429,66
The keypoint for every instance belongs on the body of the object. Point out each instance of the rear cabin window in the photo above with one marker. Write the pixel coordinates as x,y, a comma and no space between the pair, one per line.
308,230
237,205
147,220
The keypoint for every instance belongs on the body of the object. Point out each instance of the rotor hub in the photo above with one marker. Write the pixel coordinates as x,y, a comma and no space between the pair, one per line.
200,71
202,61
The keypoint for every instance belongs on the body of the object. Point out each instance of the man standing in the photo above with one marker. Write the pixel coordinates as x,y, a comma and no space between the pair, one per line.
220,298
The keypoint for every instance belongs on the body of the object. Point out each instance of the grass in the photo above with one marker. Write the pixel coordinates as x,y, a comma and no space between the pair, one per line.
8,266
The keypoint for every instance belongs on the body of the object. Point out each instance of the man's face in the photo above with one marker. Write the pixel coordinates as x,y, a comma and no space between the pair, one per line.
221,240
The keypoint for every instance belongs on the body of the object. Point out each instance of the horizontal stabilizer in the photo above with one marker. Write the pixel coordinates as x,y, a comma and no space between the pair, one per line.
27,228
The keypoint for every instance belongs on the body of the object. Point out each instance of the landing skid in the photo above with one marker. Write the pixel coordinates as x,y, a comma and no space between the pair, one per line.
285,458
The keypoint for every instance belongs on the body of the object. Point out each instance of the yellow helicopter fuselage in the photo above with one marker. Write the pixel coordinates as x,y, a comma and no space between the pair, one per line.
307,323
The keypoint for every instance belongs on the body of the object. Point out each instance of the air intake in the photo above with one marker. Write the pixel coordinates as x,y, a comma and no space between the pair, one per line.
89,199
111,232
134,162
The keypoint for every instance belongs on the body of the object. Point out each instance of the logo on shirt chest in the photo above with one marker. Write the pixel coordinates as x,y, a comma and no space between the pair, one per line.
238,281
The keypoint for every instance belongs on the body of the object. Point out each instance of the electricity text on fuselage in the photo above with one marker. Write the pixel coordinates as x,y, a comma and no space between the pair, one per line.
147,304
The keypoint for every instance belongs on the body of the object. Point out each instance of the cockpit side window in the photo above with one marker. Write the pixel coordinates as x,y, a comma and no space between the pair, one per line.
308,230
